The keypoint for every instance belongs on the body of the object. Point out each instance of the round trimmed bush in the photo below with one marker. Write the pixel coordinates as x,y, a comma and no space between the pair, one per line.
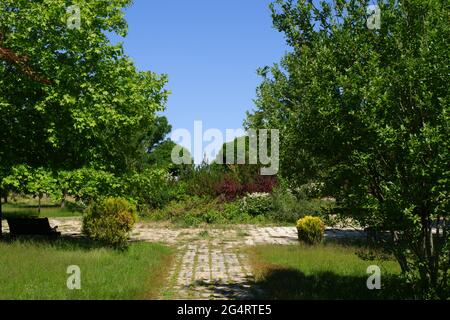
310,230
110,221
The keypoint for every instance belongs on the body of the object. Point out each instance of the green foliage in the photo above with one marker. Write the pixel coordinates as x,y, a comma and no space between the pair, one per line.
195,210
71,98
110,221
41,183
36,182
366,112
161,157
202,181
256,204
288,207
88,184
17,179
310,230
152,187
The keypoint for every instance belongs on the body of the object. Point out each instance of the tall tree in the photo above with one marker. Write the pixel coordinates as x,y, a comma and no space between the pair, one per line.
367,111
68,97
95,104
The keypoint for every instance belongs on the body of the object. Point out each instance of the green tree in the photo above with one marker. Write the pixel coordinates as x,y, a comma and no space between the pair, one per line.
69,98
26,180
161,157
41,182
88,184
367,112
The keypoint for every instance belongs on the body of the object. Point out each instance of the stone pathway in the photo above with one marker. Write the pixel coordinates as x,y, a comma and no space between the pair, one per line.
207,271
209,263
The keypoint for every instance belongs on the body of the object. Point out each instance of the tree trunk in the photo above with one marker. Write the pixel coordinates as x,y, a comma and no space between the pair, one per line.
429,270
39,206
63,200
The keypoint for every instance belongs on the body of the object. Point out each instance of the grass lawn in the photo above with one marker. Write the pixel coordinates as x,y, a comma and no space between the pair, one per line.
29,208
37,270
328,271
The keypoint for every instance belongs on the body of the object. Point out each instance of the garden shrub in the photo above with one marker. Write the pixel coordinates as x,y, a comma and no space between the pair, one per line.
110,221
190,210
256,204
195,210
152,187
203,180
310,230
232,186
261,184
310,190
228,188
233,213
290,207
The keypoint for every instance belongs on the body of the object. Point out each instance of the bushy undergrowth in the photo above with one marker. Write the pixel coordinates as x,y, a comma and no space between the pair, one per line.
195,210
278,207
256,204
288,207
227,182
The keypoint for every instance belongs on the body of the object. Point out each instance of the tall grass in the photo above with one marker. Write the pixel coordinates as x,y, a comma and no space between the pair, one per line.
37,270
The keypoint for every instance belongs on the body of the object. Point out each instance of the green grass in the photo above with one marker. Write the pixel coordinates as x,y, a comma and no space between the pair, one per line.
30,209
329,271
37,270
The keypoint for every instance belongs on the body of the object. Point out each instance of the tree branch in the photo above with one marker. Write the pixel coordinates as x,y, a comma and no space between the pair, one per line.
9,56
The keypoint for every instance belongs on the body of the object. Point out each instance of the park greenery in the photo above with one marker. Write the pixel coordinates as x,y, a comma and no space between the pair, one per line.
366,113
364,125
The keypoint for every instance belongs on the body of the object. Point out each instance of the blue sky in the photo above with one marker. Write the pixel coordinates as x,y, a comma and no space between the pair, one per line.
210,50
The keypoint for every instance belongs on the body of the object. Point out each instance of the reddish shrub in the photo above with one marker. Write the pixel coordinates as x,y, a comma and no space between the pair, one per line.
229,188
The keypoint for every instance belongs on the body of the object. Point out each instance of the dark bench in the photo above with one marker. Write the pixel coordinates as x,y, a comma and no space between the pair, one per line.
32,227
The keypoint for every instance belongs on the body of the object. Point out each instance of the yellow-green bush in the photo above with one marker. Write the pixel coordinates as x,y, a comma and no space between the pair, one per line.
310,230
110,221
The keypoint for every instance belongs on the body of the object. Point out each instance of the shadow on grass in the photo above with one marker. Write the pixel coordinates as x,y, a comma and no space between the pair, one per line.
65,242
292,284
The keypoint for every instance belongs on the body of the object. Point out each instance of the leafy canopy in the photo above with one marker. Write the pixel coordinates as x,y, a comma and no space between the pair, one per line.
70,98
367,112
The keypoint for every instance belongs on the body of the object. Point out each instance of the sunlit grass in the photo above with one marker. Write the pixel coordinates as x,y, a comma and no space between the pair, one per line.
29,208
329,271
37,270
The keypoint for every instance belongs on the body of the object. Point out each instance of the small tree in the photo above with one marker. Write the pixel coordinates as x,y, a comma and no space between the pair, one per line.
41,182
